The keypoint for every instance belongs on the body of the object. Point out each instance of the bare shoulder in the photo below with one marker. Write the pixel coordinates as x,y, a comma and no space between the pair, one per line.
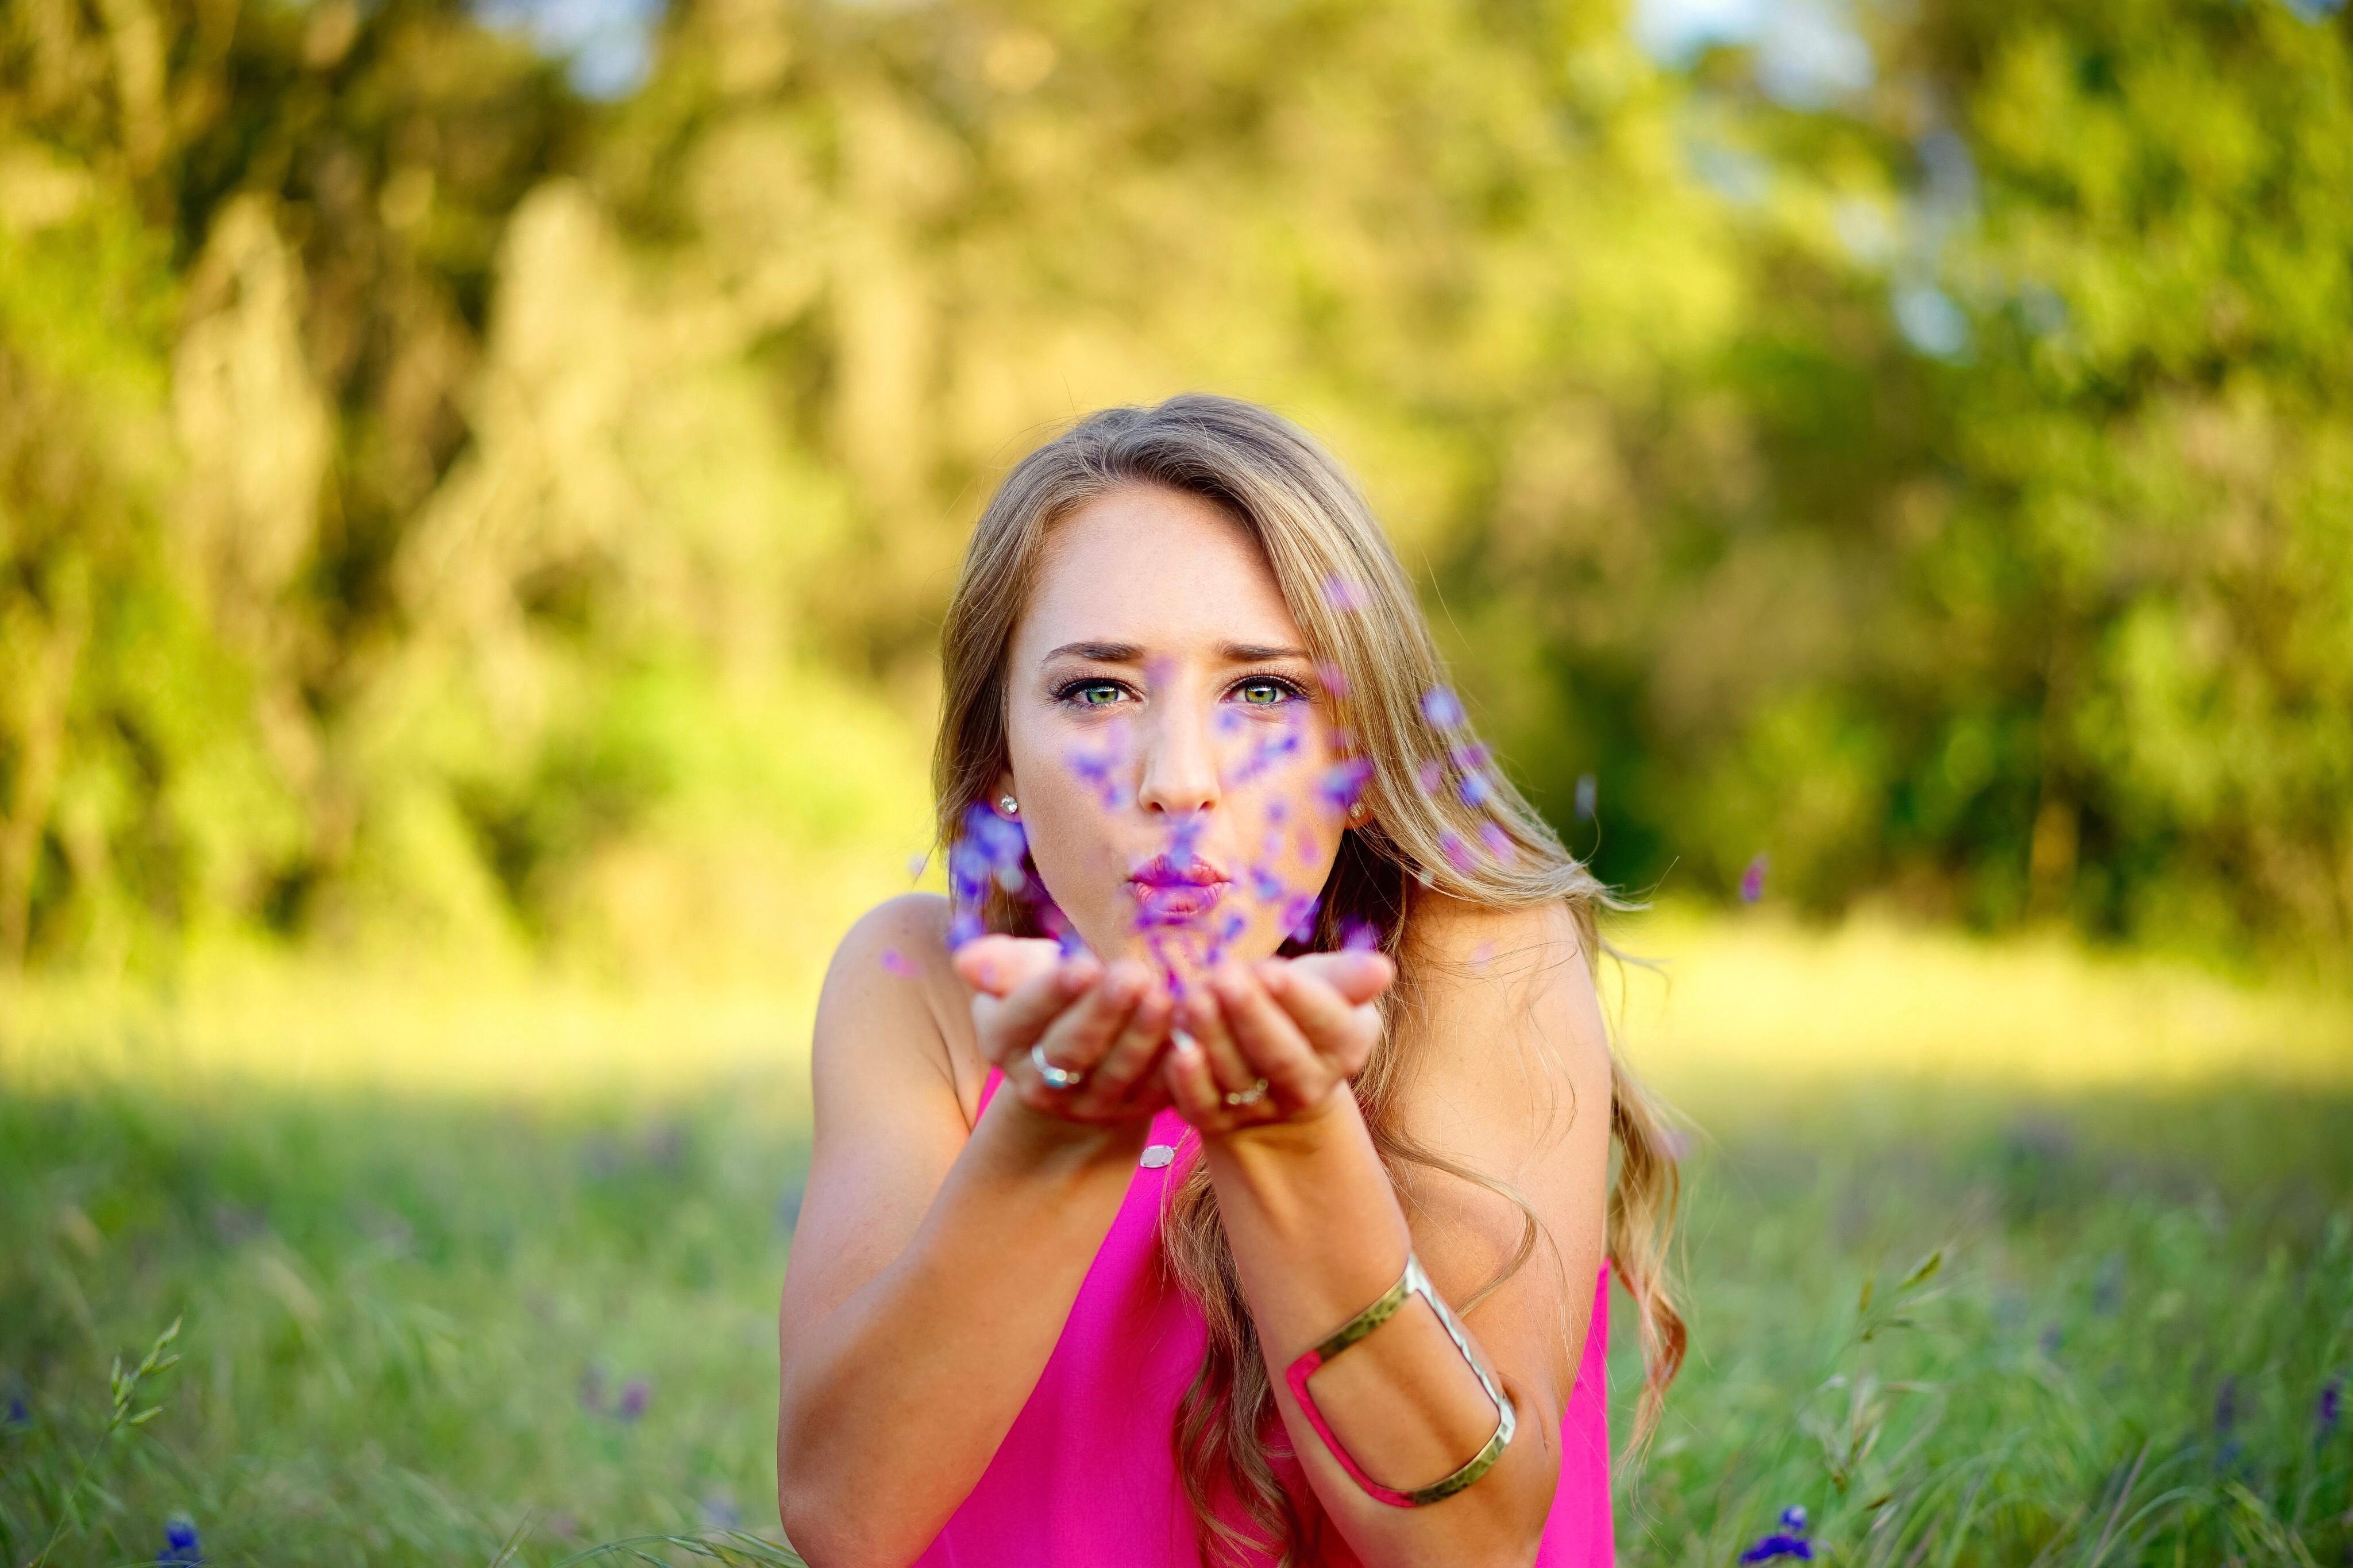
893,1004
1508,1045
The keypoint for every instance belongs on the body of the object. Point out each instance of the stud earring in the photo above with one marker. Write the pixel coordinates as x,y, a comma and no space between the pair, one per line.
1357,812
1011,806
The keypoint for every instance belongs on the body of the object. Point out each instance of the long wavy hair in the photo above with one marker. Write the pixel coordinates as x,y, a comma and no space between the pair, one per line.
1356,609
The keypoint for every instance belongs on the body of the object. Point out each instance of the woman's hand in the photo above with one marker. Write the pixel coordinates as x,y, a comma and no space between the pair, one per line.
1276,1041
1109,1024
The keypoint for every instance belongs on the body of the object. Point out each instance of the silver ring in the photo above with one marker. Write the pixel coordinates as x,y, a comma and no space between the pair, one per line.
1056,1077
1238,1098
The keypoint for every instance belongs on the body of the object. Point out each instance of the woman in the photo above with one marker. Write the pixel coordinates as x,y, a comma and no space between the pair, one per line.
1260,1031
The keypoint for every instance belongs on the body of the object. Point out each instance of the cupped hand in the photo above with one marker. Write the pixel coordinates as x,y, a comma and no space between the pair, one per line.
1110,1024
1274,1041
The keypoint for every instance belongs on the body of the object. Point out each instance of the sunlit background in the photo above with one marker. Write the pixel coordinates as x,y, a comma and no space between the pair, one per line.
479,487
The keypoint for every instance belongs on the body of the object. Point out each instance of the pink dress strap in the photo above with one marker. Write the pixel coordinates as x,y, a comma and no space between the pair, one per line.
1087,1476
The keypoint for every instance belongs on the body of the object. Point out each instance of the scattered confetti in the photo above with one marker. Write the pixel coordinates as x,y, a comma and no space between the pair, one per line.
899,963
1498,842
1431,776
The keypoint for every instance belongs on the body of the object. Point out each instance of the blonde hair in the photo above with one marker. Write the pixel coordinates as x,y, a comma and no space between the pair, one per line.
1359,613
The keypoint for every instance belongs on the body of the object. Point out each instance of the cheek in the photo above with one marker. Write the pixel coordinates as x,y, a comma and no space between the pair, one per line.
1069,840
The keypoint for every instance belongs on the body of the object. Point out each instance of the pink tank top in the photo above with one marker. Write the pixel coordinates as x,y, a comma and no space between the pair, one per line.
1086,1478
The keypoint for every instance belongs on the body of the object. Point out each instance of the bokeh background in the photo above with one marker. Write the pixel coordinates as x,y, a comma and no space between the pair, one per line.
478,487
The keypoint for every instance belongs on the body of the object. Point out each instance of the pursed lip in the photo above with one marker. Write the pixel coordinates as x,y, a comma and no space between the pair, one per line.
1169,894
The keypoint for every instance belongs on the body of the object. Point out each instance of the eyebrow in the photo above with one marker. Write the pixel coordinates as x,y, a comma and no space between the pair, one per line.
1129,653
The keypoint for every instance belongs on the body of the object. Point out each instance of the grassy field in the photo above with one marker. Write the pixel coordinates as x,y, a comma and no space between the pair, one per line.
469,1269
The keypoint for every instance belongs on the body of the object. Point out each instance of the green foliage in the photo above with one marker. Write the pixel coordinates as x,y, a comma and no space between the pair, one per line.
379,424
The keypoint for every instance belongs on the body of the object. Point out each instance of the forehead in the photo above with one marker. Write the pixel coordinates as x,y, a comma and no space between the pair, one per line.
1155,567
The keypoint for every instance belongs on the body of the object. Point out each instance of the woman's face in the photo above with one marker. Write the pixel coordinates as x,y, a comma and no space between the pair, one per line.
1168,735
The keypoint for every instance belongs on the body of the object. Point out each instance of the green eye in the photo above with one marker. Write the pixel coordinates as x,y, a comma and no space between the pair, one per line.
1097,694
1262,693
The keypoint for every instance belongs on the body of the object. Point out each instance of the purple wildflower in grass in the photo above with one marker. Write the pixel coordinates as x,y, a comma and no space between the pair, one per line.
1752,881
1789,1541
180,1544
592,1390
635,1394
1458,853
2330,1409
2052,1339
1431,776
1498,842
1588,790
720,1512
1345,594
1442,708
18,1416
1333,680
899,963
1359,936
2108,1285
1342,783
2226,1422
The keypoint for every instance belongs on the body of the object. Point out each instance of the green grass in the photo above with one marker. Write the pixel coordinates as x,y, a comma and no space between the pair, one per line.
411,1320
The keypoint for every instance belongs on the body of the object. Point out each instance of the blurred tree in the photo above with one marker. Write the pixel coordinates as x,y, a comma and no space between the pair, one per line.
432,499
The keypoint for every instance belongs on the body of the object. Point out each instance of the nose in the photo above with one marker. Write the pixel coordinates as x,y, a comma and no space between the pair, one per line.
1180,762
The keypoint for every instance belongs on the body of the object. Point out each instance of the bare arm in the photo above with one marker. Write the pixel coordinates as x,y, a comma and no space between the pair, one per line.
1514,1083
935,1263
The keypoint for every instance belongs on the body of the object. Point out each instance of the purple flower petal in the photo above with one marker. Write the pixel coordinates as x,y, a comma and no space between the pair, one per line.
899,963
1498,842
1752,881
1458,853
1442,708
1345,594
1343,782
